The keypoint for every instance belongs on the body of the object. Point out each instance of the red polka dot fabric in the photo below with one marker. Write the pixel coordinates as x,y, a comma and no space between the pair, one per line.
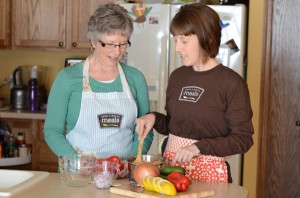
205,168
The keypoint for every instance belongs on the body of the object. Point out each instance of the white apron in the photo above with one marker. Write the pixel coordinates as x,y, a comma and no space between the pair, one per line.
106,120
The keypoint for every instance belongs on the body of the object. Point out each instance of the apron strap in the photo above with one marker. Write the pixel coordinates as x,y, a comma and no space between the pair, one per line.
86,81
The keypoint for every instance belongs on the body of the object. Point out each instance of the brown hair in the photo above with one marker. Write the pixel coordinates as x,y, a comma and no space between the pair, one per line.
201,20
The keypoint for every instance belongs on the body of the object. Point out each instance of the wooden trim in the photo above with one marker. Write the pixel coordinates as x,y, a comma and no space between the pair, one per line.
5,24
70,6
34,156
8,23
263,142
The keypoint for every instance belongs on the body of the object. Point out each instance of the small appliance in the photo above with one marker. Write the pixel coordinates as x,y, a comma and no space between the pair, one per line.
18,93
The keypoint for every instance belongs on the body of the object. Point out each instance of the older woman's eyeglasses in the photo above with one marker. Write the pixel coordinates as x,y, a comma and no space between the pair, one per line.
113,46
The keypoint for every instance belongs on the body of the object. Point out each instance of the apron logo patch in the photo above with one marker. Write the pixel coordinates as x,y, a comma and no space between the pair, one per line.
191,93
110,120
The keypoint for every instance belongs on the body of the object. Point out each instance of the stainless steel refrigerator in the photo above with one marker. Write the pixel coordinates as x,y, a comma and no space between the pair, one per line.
153,53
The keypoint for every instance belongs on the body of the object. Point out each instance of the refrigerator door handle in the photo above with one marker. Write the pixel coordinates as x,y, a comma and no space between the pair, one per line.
163,76
173,56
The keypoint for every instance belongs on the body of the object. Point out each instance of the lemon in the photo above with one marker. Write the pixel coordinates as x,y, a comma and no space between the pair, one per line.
147,183
166,187
154,184
159,185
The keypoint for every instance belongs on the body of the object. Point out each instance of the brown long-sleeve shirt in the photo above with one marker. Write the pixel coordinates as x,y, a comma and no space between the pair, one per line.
211,106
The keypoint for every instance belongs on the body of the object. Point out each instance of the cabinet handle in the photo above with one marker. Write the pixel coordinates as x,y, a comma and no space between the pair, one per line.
298,123
61,44
74,44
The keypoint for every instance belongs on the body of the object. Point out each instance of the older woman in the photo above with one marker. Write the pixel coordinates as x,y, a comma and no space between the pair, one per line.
98,100
208,105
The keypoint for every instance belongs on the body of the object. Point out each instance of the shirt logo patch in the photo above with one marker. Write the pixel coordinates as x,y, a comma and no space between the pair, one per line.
110,120
191,94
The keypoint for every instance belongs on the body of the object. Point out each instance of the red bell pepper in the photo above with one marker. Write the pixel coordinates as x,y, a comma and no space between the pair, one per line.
180,181
115,159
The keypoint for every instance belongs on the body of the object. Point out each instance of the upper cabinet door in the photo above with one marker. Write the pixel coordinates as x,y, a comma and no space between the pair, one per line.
81,12
4,23
40,23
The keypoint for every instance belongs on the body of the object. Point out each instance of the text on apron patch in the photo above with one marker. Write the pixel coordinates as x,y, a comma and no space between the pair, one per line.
110,120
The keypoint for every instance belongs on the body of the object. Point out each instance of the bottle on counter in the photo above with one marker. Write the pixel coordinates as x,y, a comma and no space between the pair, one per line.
10,147
33,89
22,150
22,146
21,138
16,150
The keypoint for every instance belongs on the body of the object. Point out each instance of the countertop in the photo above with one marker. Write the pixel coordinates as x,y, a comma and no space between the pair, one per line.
21,114
52,186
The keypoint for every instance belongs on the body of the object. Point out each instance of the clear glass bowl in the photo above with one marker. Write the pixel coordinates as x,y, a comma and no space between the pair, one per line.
77,170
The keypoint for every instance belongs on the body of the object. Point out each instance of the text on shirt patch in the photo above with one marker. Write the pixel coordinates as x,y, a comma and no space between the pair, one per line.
191,93
110,120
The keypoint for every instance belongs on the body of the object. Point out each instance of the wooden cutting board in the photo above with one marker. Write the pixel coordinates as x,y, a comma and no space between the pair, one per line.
124,189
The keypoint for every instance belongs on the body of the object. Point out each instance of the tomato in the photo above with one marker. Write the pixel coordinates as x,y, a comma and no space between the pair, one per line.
113,158
100,160
177,185
186,181
180,181
116,159
184,187
176,174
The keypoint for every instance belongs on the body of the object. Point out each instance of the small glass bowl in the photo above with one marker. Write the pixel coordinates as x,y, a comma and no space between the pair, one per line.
105,174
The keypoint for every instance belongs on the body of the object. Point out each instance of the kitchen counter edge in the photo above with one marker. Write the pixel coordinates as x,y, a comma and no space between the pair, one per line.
22,114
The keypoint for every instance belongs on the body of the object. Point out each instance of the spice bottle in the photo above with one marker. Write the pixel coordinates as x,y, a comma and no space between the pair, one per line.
10,147
21,138
22,150
33,90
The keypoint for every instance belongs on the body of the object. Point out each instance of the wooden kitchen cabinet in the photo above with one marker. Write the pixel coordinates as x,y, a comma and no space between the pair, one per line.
81,12
45,160
53,24
42,159
5,23
39,23
279,134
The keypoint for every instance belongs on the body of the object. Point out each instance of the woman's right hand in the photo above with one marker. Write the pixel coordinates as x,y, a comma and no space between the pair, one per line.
144,124
125,171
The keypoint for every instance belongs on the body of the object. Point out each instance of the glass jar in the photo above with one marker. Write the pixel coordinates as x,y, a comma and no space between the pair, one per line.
22,150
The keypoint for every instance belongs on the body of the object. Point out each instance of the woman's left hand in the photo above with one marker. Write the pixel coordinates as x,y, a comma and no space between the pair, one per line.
185,154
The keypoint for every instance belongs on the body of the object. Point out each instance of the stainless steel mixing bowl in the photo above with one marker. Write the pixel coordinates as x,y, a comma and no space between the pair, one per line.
157,160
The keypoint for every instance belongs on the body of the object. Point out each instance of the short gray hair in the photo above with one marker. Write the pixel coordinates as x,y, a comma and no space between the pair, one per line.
109,19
